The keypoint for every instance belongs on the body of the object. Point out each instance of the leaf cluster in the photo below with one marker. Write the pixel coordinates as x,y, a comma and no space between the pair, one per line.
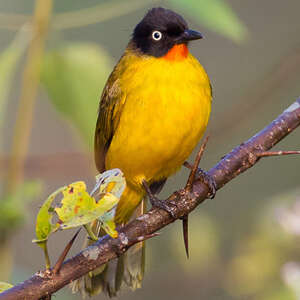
76,207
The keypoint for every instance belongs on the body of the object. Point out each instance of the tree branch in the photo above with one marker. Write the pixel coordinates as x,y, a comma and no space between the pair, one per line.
183,202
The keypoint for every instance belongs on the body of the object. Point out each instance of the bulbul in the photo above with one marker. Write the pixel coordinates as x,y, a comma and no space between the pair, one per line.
153,111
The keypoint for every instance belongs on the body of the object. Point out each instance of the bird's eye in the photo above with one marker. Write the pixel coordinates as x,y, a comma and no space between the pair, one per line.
156,35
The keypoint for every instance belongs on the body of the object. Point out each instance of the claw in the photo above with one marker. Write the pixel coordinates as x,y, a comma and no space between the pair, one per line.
209,181
155,202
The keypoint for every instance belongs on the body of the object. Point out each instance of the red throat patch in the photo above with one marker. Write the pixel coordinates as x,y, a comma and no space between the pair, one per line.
177,52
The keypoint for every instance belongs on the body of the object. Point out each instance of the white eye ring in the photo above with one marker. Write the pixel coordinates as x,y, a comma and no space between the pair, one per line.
156,35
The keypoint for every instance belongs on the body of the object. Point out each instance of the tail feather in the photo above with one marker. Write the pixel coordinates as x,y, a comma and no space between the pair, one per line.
134,258
135,266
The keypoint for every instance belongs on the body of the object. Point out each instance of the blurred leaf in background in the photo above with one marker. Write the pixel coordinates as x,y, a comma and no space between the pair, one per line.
258,257
277,292
290,273
102,12
217,15
13,213
74,77
12,208
8,63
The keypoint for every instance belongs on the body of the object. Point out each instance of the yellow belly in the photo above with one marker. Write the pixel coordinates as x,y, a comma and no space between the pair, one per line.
166,110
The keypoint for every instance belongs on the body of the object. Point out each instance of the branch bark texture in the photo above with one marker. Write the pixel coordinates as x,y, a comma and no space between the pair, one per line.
183,202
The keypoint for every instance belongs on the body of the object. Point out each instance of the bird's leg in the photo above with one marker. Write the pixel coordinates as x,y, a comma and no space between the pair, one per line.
155,202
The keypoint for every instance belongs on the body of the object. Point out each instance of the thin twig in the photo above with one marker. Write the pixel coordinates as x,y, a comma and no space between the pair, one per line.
188,187
185,231
77,18
62,257
90,232
193,173
275,153
46,254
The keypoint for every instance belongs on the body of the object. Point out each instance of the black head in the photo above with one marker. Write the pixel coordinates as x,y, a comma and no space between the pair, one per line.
160,30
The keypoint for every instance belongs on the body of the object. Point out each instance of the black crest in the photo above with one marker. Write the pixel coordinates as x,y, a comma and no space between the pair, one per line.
159,31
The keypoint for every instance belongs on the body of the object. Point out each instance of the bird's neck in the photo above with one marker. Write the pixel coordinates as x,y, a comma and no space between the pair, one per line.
177,52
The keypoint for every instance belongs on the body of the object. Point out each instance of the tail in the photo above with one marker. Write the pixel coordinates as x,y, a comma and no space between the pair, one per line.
127,269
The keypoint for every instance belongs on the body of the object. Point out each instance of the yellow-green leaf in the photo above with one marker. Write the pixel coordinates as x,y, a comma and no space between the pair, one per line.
79,208
5,286
108,224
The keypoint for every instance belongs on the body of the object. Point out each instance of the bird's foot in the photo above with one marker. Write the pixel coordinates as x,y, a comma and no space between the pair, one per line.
209,181
155,202
204,177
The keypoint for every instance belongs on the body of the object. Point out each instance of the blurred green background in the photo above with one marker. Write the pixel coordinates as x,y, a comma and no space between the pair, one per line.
244,243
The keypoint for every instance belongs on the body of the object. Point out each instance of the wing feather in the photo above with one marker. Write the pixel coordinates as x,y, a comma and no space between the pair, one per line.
110,109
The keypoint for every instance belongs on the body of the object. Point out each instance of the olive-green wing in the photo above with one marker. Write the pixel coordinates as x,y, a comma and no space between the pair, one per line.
110,109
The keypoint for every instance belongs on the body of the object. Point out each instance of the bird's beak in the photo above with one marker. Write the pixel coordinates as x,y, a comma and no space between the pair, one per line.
190,35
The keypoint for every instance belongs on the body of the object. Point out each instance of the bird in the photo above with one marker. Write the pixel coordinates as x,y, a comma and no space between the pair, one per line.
153,111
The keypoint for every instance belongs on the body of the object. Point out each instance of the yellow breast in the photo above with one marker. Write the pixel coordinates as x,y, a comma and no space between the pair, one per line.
166,110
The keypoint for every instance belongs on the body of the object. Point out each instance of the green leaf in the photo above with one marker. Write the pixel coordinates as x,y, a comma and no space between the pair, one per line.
13,207
74,77
5,286
44,226
217,15
102,12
